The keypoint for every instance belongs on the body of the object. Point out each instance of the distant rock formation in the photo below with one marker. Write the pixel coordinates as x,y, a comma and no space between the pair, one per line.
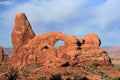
1,54
22,31
41,48
114,52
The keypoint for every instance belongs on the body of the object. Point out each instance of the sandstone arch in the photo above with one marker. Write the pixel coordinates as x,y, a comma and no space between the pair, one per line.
50,39
29,48
43,47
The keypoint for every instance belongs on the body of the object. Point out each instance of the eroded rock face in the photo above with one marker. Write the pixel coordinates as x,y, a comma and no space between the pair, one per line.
1,54
22,31
91,52
90,41
41,48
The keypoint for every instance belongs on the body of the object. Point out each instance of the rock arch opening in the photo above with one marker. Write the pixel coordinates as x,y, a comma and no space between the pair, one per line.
59,43
45,48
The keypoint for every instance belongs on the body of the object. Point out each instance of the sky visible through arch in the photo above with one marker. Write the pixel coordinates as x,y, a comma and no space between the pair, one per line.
59,43
72,17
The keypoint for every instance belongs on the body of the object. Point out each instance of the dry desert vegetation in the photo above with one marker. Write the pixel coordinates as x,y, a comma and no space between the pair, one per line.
35,57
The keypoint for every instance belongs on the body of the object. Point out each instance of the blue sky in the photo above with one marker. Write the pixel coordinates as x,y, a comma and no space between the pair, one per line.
72,17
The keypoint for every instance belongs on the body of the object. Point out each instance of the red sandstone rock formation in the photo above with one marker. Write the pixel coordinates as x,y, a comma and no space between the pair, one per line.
91,51
22,31
1,54
90,41
41,48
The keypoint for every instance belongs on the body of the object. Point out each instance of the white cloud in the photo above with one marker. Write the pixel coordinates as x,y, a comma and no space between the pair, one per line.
50,11
106,13
70,14
6,2
44,12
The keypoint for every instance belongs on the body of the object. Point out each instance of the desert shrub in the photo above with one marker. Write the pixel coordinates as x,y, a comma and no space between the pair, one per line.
95,65
68,78
57,76
103,75
76,77
24,73
117,66
36,65
12,74
84,78
108,78
117,78
4,69
49,66
65,73
80,78
42,78
119,69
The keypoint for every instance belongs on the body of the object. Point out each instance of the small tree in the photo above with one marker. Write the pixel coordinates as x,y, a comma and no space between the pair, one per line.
12,74
56,77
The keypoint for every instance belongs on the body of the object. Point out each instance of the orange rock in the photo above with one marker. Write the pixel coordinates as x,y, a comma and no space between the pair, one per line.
42,48
1,54
29,48
74,56
90,41
22,31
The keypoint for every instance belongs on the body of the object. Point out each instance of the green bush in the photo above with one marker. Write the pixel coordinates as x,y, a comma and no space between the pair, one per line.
76,77
117,66
84,78
42,78
68,78
117,78
95,65
4,69
36,65
104,75
65,73
12,74
57,76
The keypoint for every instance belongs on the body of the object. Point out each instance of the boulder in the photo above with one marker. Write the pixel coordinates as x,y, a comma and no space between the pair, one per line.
90,41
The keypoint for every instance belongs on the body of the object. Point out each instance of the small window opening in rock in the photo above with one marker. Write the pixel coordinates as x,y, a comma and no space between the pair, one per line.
46,47
59,43
65,64
78,43
83,41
